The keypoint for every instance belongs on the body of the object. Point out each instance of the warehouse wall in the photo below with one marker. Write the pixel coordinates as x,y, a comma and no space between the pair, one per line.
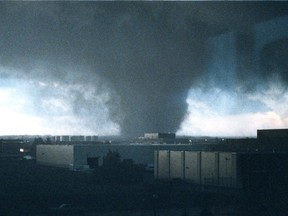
227,169
59,155
163,165
205,168
176,164
193,167
209,168
156,164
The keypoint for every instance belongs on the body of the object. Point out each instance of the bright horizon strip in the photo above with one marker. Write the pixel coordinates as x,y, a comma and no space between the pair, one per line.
19,116
203,119
15,122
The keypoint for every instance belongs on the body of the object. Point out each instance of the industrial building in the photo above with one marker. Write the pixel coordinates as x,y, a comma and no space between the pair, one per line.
205,168
91,138
65,139
201,164
76,156
160,137
221,169
79,138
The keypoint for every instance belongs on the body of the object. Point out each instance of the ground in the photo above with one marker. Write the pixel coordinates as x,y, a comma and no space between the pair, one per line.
30,189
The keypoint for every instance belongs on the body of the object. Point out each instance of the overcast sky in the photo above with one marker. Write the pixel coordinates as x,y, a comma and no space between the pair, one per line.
111,68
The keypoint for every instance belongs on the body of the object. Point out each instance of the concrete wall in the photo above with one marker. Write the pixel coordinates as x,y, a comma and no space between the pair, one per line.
205,168
156,162
193,167
55,155
176,164
162,165
227,169
209,168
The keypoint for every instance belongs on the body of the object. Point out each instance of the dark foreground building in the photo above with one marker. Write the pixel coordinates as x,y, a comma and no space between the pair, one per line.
272,136
9,147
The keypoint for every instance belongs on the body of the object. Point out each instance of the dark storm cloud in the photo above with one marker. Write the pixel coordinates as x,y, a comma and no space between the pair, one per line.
274,60
146,54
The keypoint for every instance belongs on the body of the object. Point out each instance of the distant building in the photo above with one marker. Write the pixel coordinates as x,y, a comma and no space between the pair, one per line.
65,138
160,137
57,138
91,138
68,139
94,138
77,139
